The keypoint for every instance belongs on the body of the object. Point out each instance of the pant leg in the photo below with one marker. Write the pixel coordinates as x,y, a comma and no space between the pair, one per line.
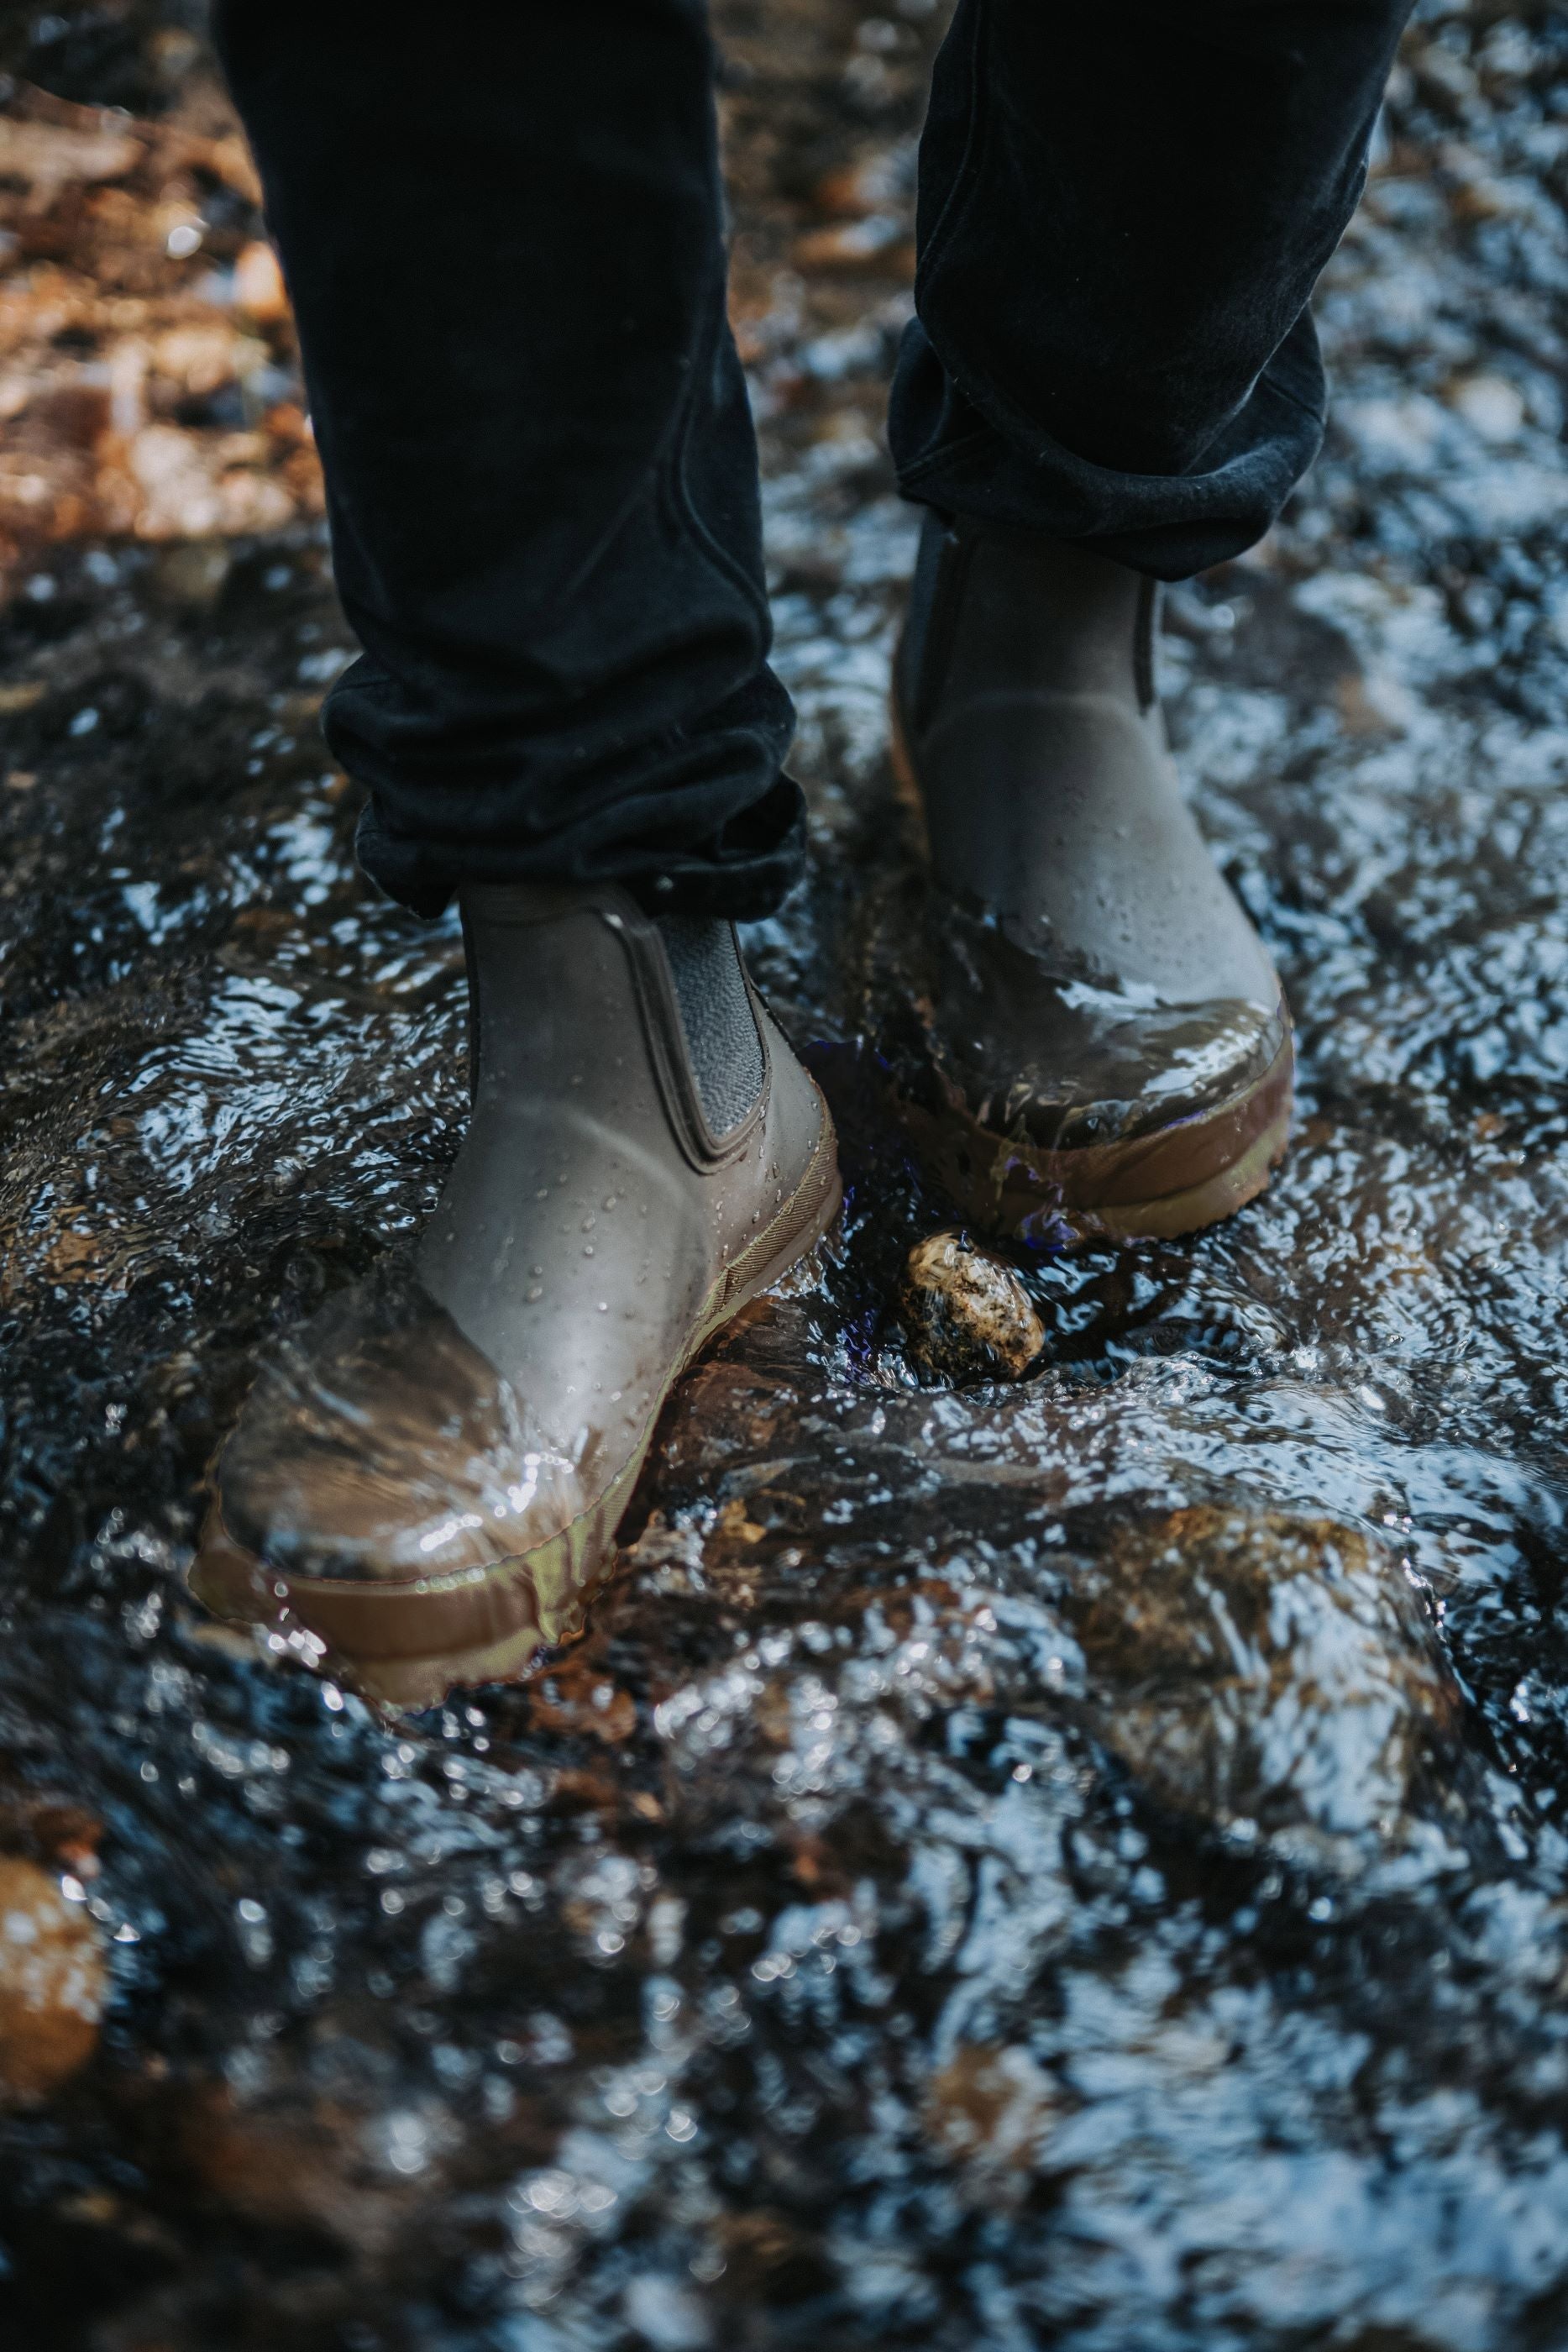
1123,207
500,223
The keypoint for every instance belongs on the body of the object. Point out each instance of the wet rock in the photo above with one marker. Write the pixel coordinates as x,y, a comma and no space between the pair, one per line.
303,2163
851,245
44,1826
1270,1674
767,2256
991,2107
575,1698
48,157
966,1315
193,572
258,282
53,1984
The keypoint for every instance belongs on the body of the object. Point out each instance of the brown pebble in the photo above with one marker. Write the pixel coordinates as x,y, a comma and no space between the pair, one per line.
991,2103
258,288
966,1315
53,1982
192,573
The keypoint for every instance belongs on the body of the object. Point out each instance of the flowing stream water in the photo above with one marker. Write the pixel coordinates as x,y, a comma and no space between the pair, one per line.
1081,1860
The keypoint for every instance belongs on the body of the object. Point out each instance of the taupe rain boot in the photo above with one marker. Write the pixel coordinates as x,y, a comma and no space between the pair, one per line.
429,1478
1108,1047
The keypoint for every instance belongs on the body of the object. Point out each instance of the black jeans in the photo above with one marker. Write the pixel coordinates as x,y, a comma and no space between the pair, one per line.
501,223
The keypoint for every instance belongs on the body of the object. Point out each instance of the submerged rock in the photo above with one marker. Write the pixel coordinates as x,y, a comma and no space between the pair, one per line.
966,1315
993,2107
53,1984
788,1967
1272,1674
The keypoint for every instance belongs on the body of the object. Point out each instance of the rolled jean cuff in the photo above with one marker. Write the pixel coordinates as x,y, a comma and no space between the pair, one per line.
742,875
951,455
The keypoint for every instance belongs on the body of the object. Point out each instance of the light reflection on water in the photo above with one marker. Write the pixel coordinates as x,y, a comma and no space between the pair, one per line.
1082,1862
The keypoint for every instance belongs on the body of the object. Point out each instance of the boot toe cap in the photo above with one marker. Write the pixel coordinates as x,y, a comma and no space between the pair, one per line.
1158,1119
380,1444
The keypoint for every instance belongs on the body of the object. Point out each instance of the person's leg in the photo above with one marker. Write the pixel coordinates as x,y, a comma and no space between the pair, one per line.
501,230
1122,212
1112,379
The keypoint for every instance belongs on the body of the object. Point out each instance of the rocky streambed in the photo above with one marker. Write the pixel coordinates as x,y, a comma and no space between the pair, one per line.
1058,1832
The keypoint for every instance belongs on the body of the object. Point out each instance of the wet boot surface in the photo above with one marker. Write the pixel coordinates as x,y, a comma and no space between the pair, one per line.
1105,1048
1056,1833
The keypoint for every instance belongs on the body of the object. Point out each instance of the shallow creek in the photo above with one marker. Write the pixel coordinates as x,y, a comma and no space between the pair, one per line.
1080,1859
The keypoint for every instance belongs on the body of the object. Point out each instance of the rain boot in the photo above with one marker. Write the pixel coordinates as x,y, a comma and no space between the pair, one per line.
425,1482
1106,1045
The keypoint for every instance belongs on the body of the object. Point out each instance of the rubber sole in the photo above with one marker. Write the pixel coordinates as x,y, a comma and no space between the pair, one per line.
1176,1179
1215,1162
404,1644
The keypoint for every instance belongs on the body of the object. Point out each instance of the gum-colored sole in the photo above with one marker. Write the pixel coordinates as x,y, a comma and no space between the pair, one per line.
1209,1204
404,1644
1175,1181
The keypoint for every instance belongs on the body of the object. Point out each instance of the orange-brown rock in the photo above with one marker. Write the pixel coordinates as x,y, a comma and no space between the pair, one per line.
965,1314
53,1982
